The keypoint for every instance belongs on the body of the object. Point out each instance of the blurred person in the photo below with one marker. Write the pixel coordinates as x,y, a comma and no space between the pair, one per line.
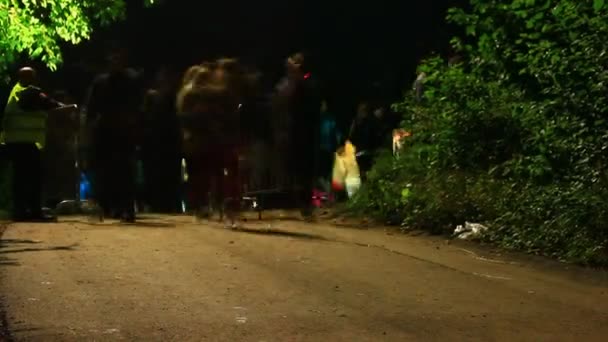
210,106
113,112
256,135
362,136
189,112
59,157
160,148
382,128
330,139
298,101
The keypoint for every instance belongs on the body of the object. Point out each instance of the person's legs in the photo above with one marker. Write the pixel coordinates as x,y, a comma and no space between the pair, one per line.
103,190
199,182
101,162
175,186
304,178
325,170
19,186
109,185
166,184
124,184
34,183
230,183
191,185
27,181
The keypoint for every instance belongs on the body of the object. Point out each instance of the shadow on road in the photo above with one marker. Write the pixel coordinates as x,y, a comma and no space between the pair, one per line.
44,249
25,330
12,244
6,242
114,223
276,232
140,224
4,261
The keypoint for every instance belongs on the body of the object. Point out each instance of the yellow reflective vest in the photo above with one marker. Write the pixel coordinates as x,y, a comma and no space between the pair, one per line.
20,126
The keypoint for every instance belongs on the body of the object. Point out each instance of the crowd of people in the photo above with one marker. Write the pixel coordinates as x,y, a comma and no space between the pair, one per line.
215,123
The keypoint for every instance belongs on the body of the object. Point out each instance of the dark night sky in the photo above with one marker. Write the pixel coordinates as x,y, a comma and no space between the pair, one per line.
353,45
368,41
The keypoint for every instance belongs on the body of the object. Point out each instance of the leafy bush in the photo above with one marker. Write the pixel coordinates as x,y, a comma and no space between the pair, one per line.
516,137
38,29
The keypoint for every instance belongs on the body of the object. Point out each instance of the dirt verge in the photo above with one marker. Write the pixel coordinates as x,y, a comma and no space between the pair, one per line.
4,332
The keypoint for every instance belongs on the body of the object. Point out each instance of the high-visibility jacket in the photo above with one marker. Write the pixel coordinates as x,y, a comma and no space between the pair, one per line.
21,126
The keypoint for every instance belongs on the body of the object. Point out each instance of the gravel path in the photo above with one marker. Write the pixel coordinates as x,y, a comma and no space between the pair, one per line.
168,279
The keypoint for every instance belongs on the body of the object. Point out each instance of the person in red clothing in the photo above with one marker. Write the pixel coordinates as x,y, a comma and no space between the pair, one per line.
210,104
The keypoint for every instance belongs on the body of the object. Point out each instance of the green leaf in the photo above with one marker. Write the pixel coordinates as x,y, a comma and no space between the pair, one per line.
37,27
37,52
598,5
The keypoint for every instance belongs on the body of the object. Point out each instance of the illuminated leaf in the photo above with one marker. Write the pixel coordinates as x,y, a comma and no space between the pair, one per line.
37,27
598,4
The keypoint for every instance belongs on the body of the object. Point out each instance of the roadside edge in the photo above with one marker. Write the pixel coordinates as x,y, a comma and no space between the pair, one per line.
5,335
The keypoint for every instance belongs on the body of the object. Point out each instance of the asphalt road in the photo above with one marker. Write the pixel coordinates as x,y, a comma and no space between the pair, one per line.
168,279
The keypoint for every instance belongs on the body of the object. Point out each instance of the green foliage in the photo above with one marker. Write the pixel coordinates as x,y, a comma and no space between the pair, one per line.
516,137
37,27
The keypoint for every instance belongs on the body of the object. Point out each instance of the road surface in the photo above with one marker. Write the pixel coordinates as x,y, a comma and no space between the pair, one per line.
169,279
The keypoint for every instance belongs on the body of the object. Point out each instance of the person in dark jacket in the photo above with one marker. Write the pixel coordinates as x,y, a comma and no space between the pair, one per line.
113,110
362,135
161,146
301,105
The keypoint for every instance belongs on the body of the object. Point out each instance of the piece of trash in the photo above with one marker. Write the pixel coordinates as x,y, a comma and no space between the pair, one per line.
46,283
239,308
241,319
33,299
469,231
531,292
111,331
